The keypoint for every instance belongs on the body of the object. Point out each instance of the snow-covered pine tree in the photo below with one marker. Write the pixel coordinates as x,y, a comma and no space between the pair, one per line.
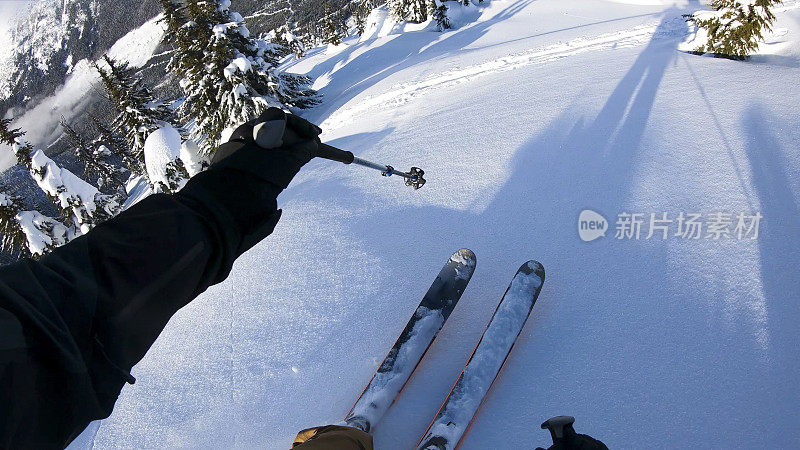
415,11
174,18
359,12
28,234
107,136
228,77
42,233
139,111
398,9
111,140
439,14
12,237
176,175
331,27
13,137
184,36
81,204
284,37
95,160
735,27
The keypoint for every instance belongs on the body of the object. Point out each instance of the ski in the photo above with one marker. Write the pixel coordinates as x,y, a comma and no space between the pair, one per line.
409,349
486,361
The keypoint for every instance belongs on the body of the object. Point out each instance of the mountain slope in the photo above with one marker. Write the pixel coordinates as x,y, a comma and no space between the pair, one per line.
521,120
56,35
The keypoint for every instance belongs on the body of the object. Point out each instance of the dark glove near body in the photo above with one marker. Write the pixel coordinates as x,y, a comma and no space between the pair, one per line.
565,437
246,176
272,147
73,324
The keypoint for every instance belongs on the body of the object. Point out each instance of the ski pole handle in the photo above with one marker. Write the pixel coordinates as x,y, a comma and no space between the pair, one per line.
270,131
334,154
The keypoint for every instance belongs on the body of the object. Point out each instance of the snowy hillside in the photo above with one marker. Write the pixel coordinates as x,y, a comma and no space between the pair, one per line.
42,121
523,118
48,37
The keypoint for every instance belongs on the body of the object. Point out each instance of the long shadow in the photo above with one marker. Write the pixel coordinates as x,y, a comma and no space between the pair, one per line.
779,252
611,141
715,119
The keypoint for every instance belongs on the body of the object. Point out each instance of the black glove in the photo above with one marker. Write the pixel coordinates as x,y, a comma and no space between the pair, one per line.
249,171
565,437
272,147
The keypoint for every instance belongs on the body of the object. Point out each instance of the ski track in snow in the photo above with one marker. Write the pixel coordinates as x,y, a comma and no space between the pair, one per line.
406,92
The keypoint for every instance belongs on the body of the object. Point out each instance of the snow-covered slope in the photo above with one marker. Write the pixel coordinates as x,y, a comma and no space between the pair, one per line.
42,121
538,110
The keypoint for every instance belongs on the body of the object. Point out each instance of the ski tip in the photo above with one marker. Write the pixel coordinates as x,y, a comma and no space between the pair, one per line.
534,267
464,256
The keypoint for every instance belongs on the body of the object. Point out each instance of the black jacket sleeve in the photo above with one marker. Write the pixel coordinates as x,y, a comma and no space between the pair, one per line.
73,324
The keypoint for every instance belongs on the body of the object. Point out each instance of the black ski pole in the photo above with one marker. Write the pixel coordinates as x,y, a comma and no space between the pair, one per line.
413,177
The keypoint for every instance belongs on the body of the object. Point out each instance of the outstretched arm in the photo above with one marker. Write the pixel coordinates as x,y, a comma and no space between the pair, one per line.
73,324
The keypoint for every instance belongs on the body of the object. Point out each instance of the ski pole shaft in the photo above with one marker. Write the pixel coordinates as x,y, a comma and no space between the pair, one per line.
413,177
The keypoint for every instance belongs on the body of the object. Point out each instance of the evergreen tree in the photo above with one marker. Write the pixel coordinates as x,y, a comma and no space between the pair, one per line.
331,27
108,137
415,11
227,76
94,157
181,36
735,27
12,236
42,233
439,13
176,175
139,112
81,205
174,18
360,17
111,140
286,41
9,135
13,137
359,11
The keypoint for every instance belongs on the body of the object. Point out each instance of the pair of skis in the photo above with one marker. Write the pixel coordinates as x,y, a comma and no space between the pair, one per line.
482,368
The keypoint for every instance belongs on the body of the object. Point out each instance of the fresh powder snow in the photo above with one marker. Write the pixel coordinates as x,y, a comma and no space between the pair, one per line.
522,118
